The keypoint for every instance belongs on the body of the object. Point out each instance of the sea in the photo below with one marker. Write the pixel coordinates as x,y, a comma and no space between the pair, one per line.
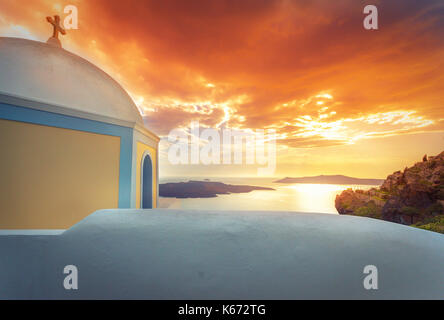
298,197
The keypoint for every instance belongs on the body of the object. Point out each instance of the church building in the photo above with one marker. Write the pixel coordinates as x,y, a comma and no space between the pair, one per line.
72,140
77,165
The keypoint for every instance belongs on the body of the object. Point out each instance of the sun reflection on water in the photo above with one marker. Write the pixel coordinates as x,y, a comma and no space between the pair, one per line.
300,197
317,197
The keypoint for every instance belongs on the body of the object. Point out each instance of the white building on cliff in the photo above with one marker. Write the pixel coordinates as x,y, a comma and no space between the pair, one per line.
72,142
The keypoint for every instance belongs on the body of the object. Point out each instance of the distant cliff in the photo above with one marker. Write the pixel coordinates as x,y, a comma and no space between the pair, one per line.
331,179
202,189
414,196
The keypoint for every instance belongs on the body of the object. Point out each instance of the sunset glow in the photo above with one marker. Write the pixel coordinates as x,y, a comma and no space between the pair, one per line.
342,99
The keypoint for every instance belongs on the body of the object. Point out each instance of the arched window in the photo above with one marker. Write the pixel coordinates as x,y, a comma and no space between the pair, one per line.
147,182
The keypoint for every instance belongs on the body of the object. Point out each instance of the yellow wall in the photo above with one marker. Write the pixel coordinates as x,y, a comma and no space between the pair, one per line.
141,148
51,178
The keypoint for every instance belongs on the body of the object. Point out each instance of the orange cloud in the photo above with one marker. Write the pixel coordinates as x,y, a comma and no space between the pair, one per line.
306,68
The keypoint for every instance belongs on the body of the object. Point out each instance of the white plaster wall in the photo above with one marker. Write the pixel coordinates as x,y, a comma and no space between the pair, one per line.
169,254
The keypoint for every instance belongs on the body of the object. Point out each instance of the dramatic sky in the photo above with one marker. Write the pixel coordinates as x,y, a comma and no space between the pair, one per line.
342,99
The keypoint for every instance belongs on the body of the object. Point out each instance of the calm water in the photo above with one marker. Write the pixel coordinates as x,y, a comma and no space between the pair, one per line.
292,197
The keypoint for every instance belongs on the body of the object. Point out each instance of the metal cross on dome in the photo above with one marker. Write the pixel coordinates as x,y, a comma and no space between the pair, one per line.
56,25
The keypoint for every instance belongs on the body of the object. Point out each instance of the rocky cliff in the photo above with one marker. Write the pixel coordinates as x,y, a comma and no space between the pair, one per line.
414,196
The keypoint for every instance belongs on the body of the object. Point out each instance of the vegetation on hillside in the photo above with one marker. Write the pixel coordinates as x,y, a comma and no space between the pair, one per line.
414,196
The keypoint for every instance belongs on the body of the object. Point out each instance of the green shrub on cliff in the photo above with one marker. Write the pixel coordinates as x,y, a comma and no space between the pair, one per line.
436,224
371,210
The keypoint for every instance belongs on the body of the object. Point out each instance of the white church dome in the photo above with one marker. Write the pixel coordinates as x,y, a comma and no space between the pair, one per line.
46,75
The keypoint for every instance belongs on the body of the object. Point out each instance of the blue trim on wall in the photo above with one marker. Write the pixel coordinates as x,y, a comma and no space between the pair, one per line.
126,160
16,113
